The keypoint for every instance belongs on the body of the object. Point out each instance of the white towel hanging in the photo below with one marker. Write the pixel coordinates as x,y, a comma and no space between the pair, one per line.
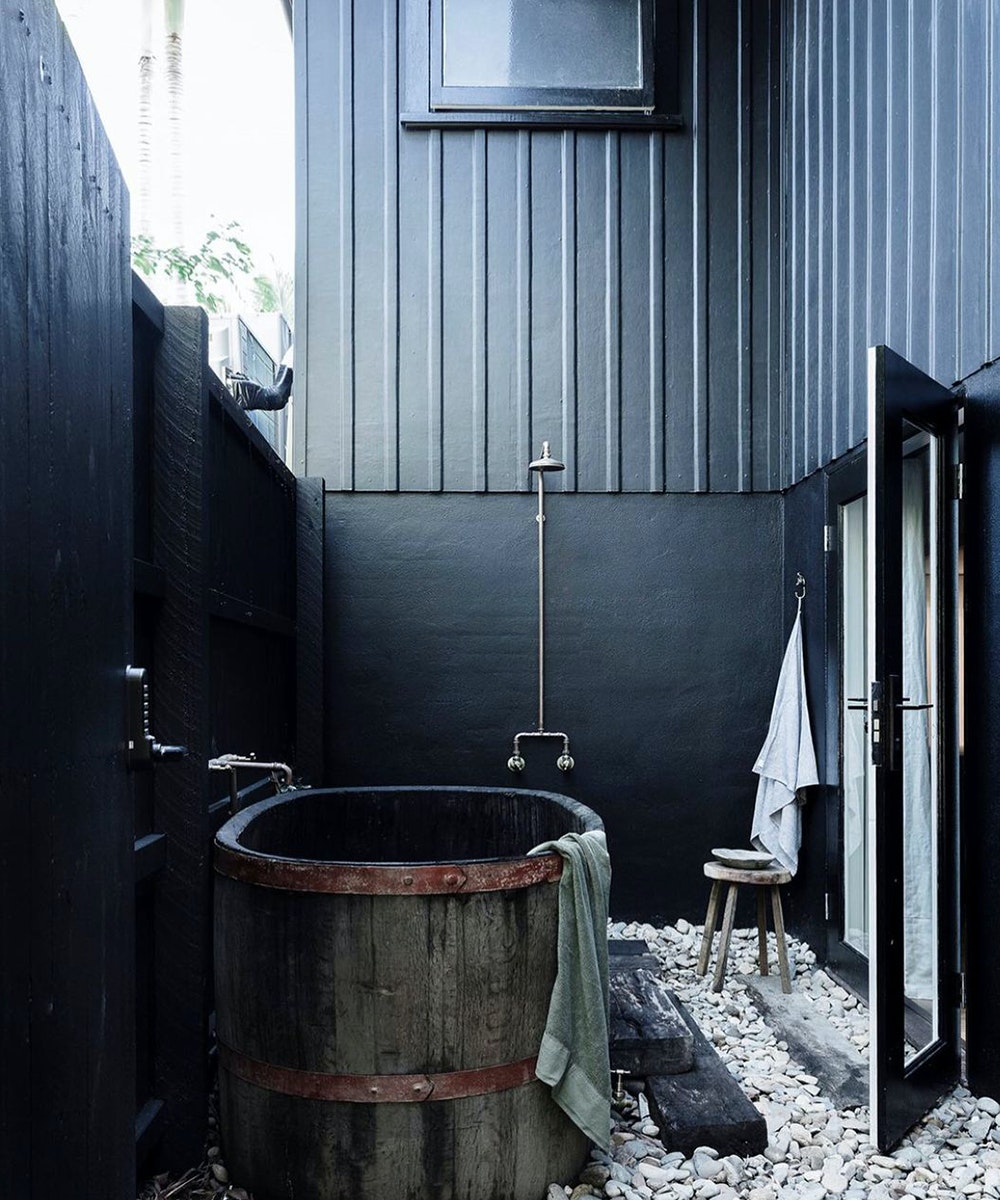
787,760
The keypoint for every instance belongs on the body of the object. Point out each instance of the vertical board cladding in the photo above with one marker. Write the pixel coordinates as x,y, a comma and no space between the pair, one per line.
470,292
891,176
66,876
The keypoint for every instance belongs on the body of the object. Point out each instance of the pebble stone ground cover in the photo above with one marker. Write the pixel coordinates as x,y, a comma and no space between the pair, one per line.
814,1150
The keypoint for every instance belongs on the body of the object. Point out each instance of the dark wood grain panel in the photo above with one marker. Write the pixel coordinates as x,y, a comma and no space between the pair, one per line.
309,626
65,550
181,525
389,985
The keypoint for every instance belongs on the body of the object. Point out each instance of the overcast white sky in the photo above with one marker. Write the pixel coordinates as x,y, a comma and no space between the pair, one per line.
239,100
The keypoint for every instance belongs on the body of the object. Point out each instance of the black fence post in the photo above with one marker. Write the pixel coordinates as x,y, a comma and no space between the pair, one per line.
180,545
309,691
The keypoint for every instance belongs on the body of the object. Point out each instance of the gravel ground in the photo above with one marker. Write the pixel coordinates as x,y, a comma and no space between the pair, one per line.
814,1151
207,1181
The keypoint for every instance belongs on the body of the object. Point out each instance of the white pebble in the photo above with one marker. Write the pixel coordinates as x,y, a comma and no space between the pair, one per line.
814,1151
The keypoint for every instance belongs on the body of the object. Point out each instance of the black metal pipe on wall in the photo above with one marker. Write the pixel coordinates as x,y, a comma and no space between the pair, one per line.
665,633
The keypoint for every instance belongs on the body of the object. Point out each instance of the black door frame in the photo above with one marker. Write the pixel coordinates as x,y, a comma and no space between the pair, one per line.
981,758
846,480
902,1091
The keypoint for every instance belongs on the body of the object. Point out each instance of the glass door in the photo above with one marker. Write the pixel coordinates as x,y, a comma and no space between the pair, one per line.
909,924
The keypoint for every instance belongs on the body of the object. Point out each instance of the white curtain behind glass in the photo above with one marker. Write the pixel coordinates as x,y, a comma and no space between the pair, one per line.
918,778
855,747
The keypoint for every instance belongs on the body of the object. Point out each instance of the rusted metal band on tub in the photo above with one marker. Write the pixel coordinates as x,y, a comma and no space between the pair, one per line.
434,879
376,1089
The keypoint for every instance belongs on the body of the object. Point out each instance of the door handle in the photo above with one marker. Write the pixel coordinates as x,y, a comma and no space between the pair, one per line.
141,747
887,726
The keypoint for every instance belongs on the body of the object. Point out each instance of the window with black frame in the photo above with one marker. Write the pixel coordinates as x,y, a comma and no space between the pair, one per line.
556,62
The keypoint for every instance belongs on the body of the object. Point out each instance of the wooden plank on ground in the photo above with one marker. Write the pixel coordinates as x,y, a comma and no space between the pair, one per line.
630,952
705,1106
648,1035
813,1042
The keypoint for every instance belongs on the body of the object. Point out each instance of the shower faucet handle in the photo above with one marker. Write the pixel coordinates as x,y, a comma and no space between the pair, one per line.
564,762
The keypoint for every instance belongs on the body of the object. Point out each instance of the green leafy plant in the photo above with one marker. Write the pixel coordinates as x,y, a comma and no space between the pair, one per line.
275,293
215,269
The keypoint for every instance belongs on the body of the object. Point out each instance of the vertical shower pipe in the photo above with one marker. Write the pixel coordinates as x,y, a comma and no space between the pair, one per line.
541,592
516,763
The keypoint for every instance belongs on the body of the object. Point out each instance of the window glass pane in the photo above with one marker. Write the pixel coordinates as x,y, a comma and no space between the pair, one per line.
542,43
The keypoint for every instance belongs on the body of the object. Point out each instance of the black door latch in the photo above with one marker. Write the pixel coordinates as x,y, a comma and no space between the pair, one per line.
141,748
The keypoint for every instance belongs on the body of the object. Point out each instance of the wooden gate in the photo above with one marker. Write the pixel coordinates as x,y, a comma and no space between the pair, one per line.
143,521
66,914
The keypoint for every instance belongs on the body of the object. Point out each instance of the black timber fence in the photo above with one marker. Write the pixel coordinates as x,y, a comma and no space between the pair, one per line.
228,623
144,522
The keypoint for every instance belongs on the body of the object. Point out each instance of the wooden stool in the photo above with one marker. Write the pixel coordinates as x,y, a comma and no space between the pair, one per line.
768,879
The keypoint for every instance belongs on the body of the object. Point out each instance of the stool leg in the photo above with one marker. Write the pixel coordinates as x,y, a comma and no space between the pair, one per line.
779,934
727,932
710,918
762,930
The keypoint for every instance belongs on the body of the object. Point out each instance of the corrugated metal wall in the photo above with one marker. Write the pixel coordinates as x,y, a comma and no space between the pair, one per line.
464,294
892,183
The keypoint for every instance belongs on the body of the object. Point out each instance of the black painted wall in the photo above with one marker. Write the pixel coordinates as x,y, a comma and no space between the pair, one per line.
665,633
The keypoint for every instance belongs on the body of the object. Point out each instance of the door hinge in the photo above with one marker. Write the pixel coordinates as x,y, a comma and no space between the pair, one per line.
828,538
960,481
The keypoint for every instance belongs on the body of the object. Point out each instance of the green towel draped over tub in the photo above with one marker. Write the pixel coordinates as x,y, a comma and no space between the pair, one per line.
573,1059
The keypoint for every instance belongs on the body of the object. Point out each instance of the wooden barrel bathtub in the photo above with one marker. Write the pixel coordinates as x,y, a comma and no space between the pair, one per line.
384,962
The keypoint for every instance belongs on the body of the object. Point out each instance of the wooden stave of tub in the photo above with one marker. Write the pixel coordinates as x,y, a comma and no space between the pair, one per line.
339,980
